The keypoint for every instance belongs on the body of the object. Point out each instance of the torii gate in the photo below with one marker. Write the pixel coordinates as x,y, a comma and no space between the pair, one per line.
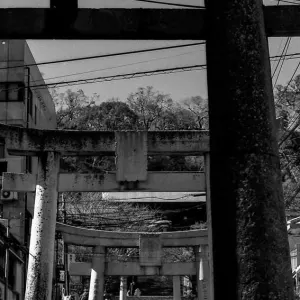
130,149
149,262
247,200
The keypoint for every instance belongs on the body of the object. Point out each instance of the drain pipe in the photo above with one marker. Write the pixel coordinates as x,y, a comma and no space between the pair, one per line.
27,170
27,104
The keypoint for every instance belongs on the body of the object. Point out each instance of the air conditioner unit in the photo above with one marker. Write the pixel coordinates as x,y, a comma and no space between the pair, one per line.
8,196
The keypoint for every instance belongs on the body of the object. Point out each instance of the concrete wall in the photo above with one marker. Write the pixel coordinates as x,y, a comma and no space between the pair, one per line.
42,100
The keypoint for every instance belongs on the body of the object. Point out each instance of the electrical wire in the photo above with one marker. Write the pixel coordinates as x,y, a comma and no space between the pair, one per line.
114,67
113,77
281,40
288,56
169,3
104,55
276,57
281,60
123,76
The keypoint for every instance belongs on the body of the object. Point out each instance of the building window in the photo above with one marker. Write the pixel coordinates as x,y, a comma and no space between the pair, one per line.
2,148
12,271
29,164
2,262
3,92
17,296
11,91
3,167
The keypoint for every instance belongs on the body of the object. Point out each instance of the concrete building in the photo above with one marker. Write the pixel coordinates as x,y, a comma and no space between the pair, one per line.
21,104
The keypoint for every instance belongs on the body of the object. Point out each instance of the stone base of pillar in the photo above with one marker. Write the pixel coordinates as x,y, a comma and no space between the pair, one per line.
97,274
123,288
176,288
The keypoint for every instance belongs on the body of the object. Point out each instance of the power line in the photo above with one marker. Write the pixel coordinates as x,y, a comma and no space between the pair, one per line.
114,77
104,55
169,3
115,67
287,56
124,76
287,44
280,57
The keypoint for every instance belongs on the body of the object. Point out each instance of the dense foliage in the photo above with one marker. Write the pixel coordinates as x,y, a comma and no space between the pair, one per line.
287,103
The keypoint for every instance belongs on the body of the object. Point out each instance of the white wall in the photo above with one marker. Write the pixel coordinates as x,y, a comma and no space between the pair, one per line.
46,118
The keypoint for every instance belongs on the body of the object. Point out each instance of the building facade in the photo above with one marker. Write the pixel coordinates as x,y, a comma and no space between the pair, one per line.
24,105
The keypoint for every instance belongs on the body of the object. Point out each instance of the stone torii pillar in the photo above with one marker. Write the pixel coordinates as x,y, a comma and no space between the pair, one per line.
41,251
123,288
247,207
176,288
97,274
203,273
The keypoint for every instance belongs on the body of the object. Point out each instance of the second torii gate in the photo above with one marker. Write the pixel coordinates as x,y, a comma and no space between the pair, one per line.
131,150
149,263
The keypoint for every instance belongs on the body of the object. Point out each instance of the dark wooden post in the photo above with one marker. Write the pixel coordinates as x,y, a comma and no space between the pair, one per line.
250,246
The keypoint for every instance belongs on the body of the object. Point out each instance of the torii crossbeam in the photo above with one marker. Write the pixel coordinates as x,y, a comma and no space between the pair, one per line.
128,24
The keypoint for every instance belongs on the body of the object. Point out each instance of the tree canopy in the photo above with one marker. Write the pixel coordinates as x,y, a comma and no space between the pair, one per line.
287,104
148,109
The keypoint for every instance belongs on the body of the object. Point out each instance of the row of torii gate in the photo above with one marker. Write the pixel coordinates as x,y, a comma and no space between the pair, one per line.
245,178
131,150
